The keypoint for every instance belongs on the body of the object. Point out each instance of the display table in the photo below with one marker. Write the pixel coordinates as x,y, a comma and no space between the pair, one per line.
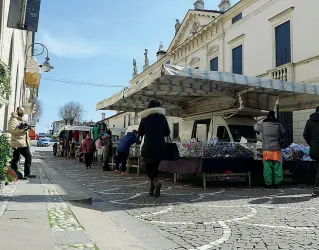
227,167
302,172
181,166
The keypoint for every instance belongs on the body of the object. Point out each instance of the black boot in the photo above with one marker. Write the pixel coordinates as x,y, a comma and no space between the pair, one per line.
157,191
152,187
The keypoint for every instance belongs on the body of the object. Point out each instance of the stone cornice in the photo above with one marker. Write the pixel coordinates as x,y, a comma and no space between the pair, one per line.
237,39
281,15
237,8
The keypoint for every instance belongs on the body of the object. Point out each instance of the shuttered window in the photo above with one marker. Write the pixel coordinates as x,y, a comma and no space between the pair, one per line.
238,60
214,64
283,45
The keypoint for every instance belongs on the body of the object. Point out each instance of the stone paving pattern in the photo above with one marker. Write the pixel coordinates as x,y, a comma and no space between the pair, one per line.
230,218
66,230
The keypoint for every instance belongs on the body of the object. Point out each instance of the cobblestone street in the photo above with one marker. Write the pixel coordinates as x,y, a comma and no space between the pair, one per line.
229,218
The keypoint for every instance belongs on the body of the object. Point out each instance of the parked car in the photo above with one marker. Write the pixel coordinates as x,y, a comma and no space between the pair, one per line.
52,141
43,142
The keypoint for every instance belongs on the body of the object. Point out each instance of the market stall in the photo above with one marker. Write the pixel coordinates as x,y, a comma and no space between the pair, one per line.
69,132
186,92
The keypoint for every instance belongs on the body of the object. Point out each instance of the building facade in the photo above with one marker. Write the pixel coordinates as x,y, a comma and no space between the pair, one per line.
271,39
124,120
13,44
56,126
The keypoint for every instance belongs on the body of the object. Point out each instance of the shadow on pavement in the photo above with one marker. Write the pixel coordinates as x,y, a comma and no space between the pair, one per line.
109,191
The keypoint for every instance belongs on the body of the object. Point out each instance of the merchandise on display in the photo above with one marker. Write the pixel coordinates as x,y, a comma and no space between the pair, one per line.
296,152
214,149
135,151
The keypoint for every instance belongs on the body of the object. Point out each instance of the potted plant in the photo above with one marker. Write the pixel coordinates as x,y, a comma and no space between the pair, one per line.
5,158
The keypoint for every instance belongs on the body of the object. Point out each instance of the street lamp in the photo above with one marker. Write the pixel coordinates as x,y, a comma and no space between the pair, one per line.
46,66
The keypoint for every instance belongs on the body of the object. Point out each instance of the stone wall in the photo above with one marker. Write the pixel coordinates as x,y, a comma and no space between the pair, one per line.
12,47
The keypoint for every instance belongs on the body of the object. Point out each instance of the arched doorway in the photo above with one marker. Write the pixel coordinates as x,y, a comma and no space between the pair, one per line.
6,112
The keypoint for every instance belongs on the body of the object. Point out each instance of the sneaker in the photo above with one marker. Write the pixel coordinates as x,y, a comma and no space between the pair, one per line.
124,173
31,176
157,191
117,171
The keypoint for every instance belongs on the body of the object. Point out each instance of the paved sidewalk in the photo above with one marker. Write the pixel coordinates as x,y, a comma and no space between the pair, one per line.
53,212
24,222
192,218
70,207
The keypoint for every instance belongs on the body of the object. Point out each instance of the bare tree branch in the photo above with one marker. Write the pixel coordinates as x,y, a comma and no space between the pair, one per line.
38,110
70,112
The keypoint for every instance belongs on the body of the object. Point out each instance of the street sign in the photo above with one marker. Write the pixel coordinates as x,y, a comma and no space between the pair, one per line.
30,16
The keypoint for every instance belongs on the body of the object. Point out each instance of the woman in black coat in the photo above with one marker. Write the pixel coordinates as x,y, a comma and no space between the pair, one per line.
154,128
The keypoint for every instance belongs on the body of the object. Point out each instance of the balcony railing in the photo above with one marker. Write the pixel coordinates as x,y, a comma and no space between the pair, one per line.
284,72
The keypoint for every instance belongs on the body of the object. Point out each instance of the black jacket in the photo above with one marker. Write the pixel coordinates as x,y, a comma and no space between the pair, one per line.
311,135
154,127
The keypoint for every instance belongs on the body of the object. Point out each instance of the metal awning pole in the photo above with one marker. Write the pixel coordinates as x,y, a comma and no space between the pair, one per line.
277,108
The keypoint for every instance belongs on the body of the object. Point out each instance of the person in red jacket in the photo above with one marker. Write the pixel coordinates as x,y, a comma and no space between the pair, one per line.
88,150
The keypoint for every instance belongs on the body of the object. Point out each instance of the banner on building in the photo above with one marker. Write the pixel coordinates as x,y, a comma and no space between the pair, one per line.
31,17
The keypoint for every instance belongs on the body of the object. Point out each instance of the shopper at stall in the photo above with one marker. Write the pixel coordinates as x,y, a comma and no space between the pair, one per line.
108,150
153,129
123,150
311,135
88,148
72,148
99,145
20,142
272,132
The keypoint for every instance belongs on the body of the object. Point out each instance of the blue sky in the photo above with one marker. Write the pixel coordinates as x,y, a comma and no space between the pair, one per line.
97,42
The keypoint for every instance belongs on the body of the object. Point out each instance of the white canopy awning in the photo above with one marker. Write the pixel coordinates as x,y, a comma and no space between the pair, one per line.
75,128
185,91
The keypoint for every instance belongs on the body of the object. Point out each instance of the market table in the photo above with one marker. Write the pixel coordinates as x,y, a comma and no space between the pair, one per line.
303,172
227,167
181,166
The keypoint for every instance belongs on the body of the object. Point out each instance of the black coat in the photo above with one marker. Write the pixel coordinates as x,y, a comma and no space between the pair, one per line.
311,135
154,128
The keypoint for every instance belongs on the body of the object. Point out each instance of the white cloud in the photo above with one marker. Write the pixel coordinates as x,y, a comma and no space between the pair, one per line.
70,46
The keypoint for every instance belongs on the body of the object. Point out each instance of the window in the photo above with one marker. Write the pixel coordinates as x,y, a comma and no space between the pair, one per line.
214,64
175,130
124,125
283,46
237,18
239,131
201,129
222,134
129,120
238,60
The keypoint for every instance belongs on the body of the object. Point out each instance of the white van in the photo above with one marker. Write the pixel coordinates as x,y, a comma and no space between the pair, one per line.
226,125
